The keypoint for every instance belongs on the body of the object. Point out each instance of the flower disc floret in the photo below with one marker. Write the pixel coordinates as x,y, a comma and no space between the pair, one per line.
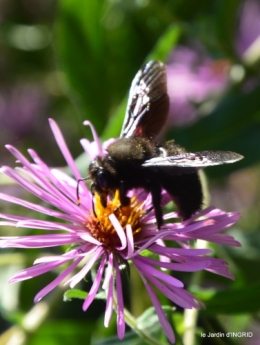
99,223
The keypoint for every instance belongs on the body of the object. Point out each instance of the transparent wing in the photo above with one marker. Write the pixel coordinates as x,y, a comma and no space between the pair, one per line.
148,102
195,160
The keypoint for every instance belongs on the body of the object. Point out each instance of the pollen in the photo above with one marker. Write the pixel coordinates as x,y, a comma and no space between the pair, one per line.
100,225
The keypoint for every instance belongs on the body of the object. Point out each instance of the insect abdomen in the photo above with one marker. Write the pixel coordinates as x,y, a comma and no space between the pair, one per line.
186,192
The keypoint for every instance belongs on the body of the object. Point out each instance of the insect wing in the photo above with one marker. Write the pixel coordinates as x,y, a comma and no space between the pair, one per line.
148,102
196,160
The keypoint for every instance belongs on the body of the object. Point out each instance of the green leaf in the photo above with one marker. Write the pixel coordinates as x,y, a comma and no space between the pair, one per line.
74,293
81,47
149,318
234,126
160,51
233,301
64,332
101,295
227,24
165,44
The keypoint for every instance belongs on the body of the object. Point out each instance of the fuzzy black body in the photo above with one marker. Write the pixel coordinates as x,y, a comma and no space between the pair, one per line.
123,169
137,160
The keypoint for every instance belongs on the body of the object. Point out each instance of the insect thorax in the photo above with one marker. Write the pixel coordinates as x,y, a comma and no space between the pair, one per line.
136,149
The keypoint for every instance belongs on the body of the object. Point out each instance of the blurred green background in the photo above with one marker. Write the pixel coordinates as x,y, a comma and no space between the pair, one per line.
73,60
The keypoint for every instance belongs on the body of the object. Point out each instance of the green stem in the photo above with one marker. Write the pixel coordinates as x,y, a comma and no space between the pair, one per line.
133,324
191,315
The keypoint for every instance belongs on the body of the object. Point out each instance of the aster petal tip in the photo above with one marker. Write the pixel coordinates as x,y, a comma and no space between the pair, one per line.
51,120
95,136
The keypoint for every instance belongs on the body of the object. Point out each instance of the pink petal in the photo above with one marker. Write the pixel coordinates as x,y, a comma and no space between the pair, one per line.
79,276
119,230
142,266
56,281
95,286
110,279
95,137
64,149
120,304
161,316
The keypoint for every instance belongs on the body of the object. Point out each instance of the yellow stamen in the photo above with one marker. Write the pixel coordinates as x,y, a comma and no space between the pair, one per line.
100,225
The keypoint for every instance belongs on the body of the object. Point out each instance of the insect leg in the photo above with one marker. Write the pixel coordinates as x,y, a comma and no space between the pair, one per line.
93,208
77,189
156,198
124,199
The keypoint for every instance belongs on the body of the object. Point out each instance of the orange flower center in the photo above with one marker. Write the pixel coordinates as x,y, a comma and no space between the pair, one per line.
100,225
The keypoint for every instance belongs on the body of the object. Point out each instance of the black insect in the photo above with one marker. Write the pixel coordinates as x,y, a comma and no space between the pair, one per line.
137,160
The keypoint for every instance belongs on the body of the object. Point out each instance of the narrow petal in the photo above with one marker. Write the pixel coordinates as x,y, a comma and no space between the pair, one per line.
56,281
64,149
109,270
219,267
41,241
142,266
95,137
120,304
36,270
175,252
48,225
38,174
78,277
161,315
95,286
37,191
86,201
163,258
192,265
168,292
61,184
130,240
110,279
90,148
37,208
119,230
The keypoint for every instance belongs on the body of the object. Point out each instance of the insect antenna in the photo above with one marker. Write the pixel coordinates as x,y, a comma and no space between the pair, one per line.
77,189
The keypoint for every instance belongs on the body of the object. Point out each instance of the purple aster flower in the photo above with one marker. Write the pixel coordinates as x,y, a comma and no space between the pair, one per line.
109,236
193,78
18,107
248,31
